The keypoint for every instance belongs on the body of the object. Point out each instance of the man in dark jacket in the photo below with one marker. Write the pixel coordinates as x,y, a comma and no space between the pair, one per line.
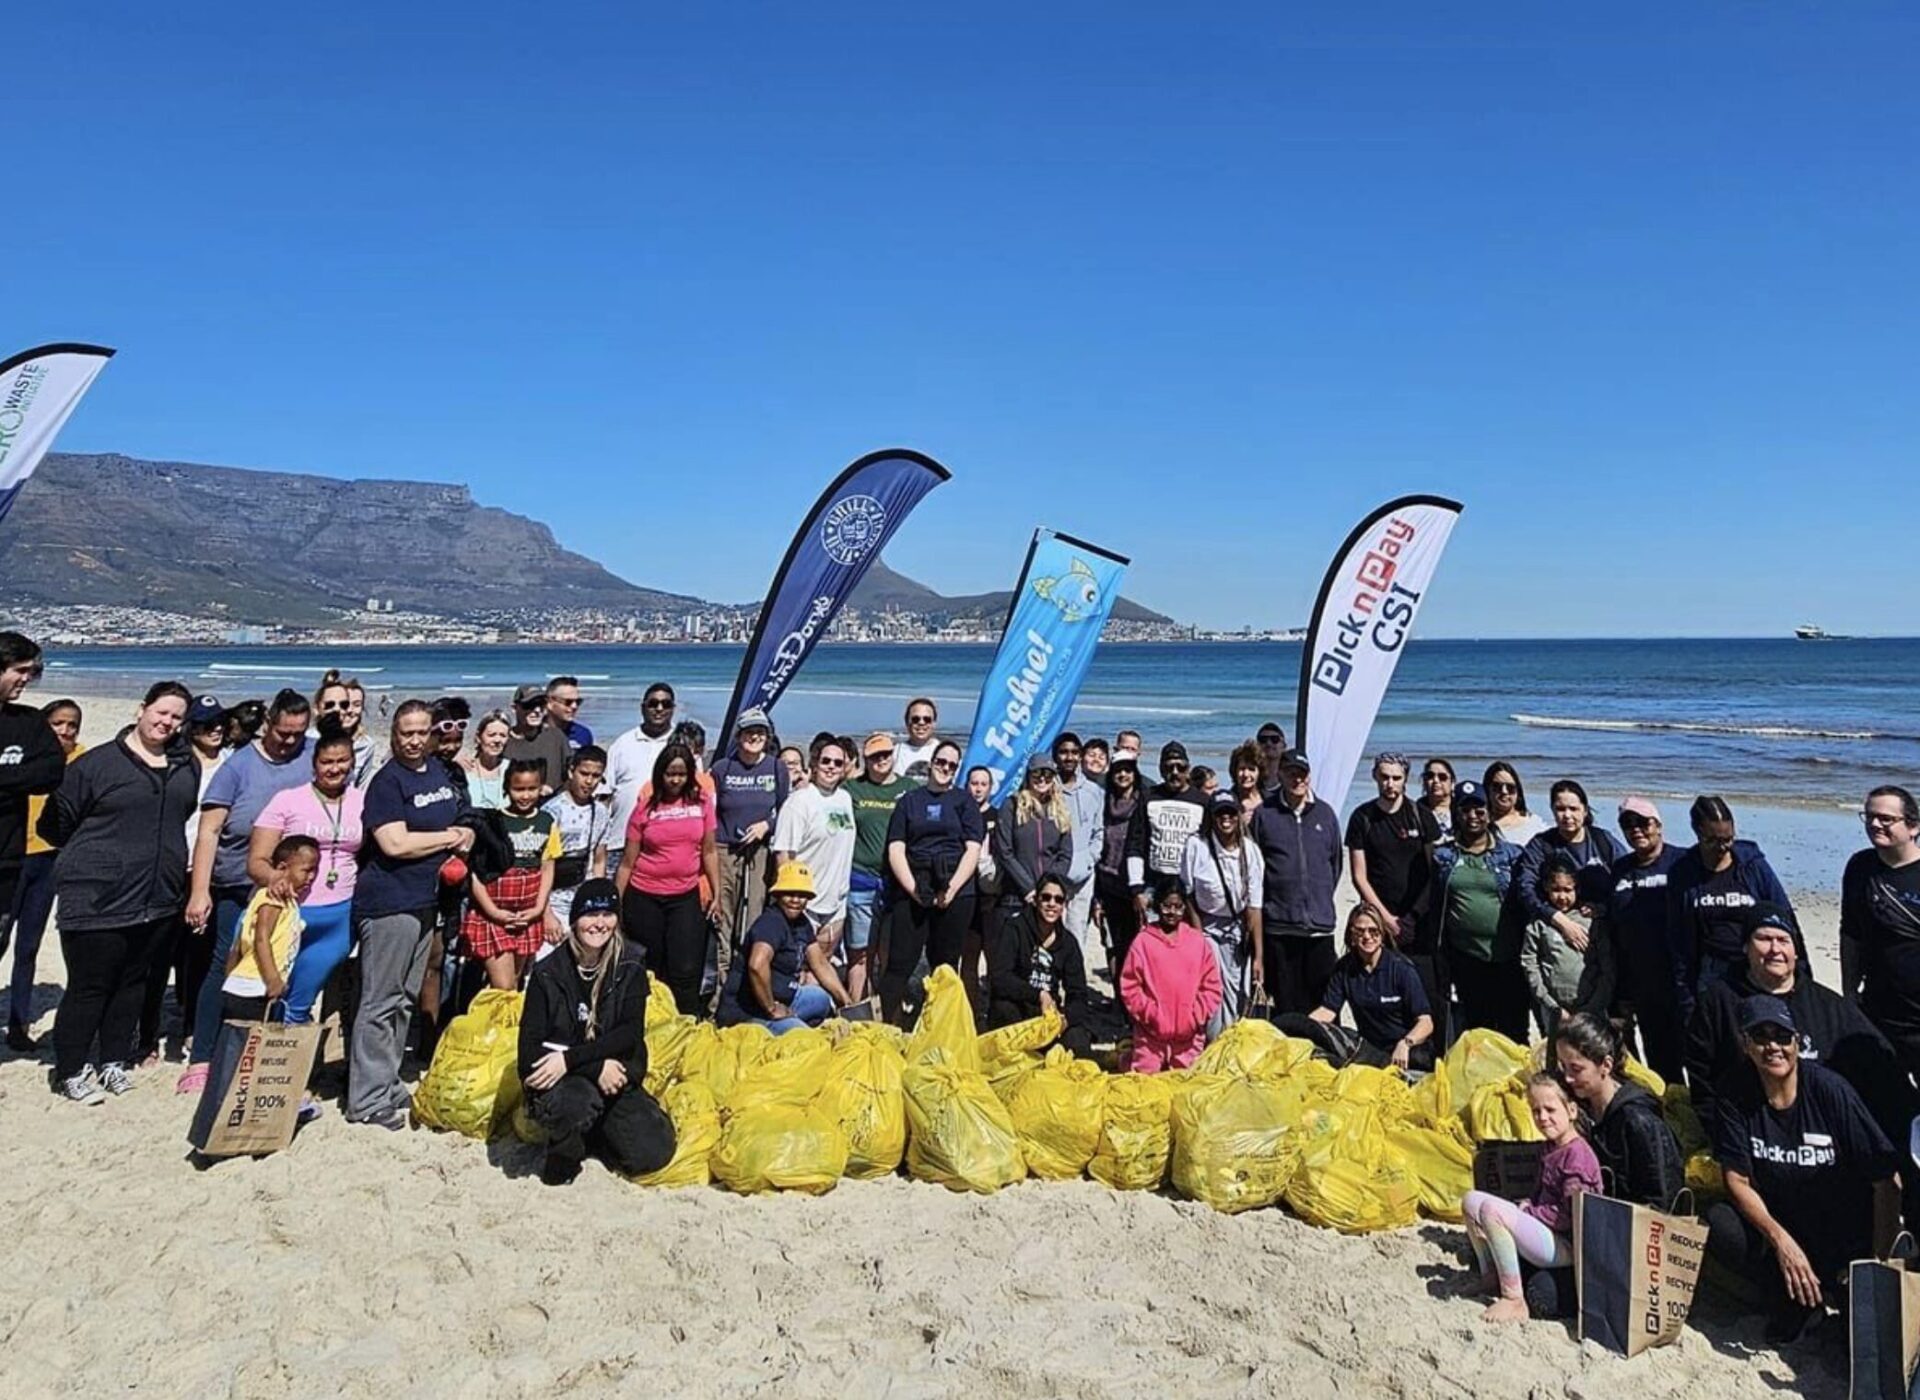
1833,1032
1299,840
31,762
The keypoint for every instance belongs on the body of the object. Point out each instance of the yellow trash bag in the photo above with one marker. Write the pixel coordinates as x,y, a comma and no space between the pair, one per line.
1005,1076
1636,1073
696,1128
1433,1103
1232,1148
714,1057
1029,1037
1136,1133
1056,1113
863,1093
667,1042
1482,1057
958,1133
795,1080
1354,1197
1385,1089
1676,1106
779,1147
1249,1047
944,1033
1440,1163
1705,1178
473,1084
659,1008
892,1037
1499,1112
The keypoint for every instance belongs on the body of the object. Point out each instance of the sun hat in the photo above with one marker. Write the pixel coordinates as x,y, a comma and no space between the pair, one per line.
794,878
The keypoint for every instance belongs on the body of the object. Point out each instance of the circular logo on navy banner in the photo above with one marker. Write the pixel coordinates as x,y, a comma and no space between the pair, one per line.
852,528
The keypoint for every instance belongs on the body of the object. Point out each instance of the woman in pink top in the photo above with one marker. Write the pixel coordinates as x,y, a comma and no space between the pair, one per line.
1170,984
670,847
328,810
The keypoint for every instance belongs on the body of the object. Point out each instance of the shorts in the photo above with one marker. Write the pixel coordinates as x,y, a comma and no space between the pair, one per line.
862,905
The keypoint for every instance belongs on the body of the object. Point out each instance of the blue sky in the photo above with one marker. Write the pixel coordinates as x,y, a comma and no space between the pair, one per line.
1203,283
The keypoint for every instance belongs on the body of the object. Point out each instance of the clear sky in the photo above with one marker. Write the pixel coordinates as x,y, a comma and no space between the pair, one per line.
1204,283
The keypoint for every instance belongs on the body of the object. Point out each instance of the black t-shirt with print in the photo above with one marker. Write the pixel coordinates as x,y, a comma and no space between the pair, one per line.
1398,866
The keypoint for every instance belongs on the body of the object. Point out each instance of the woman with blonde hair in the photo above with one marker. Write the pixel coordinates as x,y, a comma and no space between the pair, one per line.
583,1047
486,765
1033,837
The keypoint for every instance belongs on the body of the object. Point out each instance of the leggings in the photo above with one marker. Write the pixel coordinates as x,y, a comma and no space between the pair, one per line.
916,928
1502,1235
32,904
323,947
107,972
673,931
1122,916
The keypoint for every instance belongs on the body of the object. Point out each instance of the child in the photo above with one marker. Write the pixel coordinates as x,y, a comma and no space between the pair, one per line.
262,958
584,823
1170,984
1538,1229
1562,976
506,923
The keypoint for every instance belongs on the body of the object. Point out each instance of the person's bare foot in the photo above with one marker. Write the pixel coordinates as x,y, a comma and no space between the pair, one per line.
1506,1310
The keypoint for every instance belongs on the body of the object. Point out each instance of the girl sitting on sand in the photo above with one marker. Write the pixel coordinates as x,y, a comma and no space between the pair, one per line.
1170,985
506,922
1566,971
1538,1229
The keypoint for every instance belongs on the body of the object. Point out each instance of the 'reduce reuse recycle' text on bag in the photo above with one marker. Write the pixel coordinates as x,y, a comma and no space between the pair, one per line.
251,1104
1636,1269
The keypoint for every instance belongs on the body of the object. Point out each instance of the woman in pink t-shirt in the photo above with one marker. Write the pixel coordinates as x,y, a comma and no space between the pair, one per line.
669,848
328,810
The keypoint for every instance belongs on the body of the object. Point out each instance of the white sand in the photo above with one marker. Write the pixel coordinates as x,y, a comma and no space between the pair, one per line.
361,1262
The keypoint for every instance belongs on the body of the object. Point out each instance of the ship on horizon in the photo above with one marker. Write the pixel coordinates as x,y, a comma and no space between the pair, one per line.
1808,632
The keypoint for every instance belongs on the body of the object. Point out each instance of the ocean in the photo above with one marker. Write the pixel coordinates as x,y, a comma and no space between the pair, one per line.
1764,722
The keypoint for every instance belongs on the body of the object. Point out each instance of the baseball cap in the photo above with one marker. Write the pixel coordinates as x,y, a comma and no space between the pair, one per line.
1765,1011
1223,801
1270,730
1172,749
205,710
1296,758
754,718
1468,793
1638,806
877,742
526,697
599,896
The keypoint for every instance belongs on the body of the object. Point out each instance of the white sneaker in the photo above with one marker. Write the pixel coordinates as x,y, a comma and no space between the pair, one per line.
84,1088
115,1079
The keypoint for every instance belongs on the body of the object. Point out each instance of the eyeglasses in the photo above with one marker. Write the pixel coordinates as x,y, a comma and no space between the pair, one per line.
1771,1035
1882,818
1049,899
944,765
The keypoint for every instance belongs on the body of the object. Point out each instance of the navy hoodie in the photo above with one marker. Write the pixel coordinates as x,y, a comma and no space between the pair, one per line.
1696,937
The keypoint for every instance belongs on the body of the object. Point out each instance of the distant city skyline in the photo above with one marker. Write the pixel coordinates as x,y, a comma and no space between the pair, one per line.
1203,286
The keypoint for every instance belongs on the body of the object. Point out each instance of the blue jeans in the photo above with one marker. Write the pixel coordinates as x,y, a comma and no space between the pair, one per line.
323,947
229,907
32,903
809,1006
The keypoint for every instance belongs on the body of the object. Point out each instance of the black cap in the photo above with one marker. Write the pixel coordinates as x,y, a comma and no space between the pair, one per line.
1295,758
1765,1011
1270,730
205,710
1468,793
1223,801
528,696
1766,915
1173,748
598,896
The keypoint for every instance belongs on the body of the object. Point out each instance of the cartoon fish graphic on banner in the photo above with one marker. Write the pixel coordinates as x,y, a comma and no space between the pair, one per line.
1076,593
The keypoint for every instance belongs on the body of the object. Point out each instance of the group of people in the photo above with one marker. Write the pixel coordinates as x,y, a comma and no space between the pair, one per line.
296,856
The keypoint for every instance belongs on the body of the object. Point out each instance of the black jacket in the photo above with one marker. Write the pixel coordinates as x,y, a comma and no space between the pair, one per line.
1162,821
1833,1032
1026,851
492,851
555,994
121,827
1010,991
32,764
1638,1151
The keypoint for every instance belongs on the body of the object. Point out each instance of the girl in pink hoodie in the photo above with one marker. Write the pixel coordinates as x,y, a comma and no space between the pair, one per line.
1170,984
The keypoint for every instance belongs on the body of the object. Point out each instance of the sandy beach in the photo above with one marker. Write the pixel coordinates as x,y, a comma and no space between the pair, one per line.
361,1262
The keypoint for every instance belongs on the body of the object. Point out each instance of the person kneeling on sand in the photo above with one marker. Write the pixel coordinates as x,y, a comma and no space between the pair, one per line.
764,984
583,1049
1538,1229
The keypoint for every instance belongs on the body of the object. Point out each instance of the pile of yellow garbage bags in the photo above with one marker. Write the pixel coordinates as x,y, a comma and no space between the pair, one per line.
1257,1121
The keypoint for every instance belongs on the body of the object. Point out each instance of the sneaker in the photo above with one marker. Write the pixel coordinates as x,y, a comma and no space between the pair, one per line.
310,1109
394,1120
115,1079
20,1040
84,1088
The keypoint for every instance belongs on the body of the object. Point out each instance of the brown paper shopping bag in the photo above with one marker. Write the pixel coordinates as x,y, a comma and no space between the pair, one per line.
251,1104
1635,1269
1883,1326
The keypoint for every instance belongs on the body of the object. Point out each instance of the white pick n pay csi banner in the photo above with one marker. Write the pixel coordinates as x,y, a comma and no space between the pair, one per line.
38,391
1361,623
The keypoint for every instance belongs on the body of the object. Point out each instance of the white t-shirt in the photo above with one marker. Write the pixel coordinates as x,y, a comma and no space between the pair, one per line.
816,829
629,768
914,760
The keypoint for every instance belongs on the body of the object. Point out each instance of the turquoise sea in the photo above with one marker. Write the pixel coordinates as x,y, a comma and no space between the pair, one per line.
1773,722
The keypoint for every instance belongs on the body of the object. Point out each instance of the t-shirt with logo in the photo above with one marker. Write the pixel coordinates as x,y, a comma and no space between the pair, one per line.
584,828
873,805
669,837
1395,844
425,801
337,824
246,782
535,837
1472,918
935,828
1718,907
1385,1002
816,829
746,794
789,942
1812,1163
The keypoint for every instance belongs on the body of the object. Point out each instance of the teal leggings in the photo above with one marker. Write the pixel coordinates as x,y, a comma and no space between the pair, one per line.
323,947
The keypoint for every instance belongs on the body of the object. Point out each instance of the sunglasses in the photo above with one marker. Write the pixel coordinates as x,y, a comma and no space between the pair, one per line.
1050,899
656,704
1273,741
1503,787
1633,823
328,707
944,765
874,755
450,726
1435,778
919,719
1176,765
824,762
1771,1035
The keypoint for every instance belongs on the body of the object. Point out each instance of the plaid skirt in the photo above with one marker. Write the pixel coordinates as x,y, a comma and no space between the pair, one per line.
514,891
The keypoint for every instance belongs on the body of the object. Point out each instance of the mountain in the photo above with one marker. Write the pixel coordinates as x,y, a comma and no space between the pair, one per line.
262,546
293,549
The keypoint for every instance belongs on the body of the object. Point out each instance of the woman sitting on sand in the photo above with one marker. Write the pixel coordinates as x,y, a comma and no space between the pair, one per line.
1382,986
763,984
583,1047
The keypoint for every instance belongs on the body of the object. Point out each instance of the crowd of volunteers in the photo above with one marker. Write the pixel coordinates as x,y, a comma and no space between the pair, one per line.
314,866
